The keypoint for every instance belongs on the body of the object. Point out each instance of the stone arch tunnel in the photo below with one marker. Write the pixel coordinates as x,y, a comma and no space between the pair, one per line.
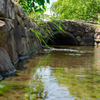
63,39
74,33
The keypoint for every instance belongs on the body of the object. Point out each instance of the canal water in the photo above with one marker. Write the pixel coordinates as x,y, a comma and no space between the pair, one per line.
58,73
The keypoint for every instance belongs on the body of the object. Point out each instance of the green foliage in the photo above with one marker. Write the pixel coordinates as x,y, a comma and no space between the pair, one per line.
36,13
33,5
38,17
88,10
39,36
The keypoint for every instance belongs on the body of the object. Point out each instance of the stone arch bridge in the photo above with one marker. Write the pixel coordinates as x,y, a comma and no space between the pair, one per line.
73,33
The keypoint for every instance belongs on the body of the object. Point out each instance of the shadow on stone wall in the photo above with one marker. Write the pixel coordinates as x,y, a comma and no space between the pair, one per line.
64,39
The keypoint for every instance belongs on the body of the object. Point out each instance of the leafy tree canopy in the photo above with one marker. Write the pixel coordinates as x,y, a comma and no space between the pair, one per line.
33,5
88,10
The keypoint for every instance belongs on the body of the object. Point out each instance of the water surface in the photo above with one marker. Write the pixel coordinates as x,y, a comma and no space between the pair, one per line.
58,73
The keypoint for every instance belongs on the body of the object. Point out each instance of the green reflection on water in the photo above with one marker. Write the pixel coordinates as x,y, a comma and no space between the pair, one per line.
8,87
82,78
79,72
35,90
80,83
3,88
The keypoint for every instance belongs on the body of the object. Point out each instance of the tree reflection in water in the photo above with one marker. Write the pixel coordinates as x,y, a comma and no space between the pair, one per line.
65,77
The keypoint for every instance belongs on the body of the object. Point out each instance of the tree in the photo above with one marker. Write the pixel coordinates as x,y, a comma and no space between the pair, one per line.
33,5
88,10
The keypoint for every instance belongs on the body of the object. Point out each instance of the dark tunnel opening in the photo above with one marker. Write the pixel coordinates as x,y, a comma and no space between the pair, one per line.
60,39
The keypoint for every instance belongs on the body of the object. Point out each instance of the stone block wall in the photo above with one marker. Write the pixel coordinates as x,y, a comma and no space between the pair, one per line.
84,33
16,38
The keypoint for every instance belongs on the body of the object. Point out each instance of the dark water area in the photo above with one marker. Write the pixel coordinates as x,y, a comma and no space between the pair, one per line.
58,73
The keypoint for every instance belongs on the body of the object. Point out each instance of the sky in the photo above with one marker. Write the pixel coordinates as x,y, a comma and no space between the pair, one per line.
48,7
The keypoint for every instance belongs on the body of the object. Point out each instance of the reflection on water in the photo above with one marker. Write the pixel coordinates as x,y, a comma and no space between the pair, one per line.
46,87
60,73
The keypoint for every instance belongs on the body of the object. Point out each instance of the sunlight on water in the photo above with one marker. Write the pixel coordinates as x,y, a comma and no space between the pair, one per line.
52,88
58,73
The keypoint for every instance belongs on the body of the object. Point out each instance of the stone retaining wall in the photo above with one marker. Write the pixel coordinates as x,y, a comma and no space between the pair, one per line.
85,33
16,38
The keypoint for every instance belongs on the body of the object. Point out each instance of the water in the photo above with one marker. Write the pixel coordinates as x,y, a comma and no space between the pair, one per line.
58,73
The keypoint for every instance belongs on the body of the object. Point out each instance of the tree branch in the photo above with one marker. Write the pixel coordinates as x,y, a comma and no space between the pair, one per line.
95,9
